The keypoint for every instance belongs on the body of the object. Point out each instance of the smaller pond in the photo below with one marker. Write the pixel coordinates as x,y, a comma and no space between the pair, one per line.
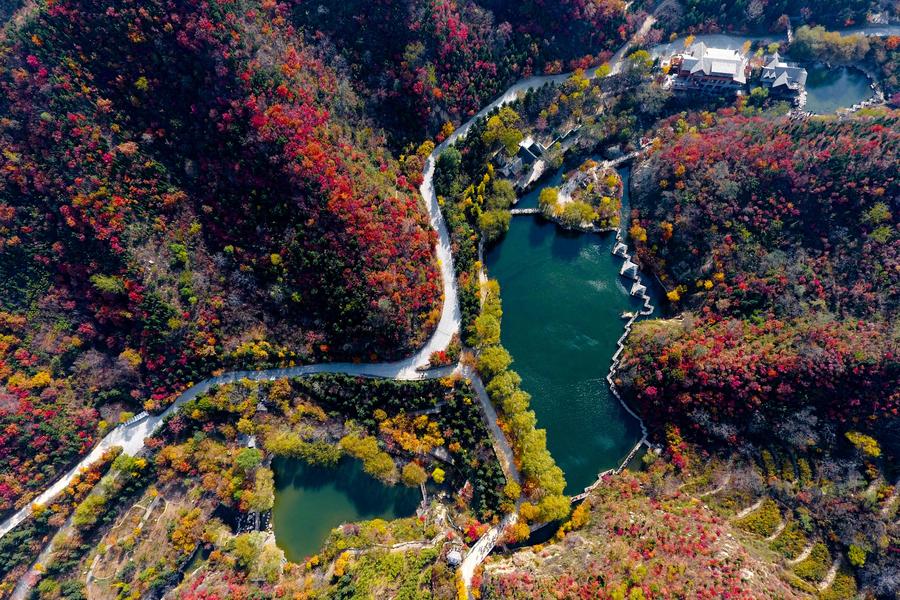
311,501
829,89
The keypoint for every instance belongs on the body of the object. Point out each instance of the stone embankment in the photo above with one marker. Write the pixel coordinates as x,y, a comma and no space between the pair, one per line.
638,289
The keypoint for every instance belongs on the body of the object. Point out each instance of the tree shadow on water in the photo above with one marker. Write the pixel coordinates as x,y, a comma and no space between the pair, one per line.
369,497
567,245
539,230
372,498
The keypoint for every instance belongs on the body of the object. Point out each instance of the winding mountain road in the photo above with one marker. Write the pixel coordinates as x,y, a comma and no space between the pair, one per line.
132,435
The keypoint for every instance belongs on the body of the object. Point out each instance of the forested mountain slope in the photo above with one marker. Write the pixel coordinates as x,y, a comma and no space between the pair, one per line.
749,15
633,540
185,186
422,64
781,236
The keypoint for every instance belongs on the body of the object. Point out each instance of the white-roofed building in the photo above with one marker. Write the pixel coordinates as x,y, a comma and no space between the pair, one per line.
710,70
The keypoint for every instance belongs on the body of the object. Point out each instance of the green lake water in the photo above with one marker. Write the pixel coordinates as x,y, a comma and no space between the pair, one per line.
834,88
562,304
311,501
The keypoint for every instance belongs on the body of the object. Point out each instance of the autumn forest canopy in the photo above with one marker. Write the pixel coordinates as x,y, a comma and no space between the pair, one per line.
781,237
423,64
191,188
184,184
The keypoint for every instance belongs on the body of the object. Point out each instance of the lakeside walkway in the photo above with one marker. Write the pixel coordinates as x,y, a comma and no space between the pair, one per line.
486,543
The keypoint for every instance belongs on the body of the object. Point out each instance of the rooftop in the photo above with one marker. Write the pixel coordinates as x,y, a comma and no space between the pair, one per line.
715,61
720,53
529,150
778,73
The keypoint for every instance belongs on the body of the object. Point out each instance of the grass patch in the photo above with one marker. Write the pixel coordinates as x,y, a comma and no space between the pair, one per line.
790,542
730,501
816,565
382,574
797,583
698,484
844,586
764,521
377,532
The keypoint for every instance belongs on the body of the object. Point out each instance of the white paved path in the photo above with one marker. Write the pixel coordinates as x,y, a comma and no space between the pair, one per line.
131,436
482,548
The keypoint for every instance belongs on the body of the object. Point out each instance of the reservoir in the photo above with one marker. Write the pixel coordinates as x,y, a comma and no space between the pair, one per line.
310,501
829,89
562,304
563,301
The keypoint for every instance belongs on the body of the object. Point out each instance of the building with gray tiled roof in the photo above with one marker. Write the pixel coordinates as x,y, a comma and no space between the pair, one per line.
782,77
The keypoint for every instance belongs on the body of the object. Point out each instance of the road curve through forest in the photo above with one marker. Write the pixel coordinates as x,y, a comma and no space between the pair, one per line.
130,437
